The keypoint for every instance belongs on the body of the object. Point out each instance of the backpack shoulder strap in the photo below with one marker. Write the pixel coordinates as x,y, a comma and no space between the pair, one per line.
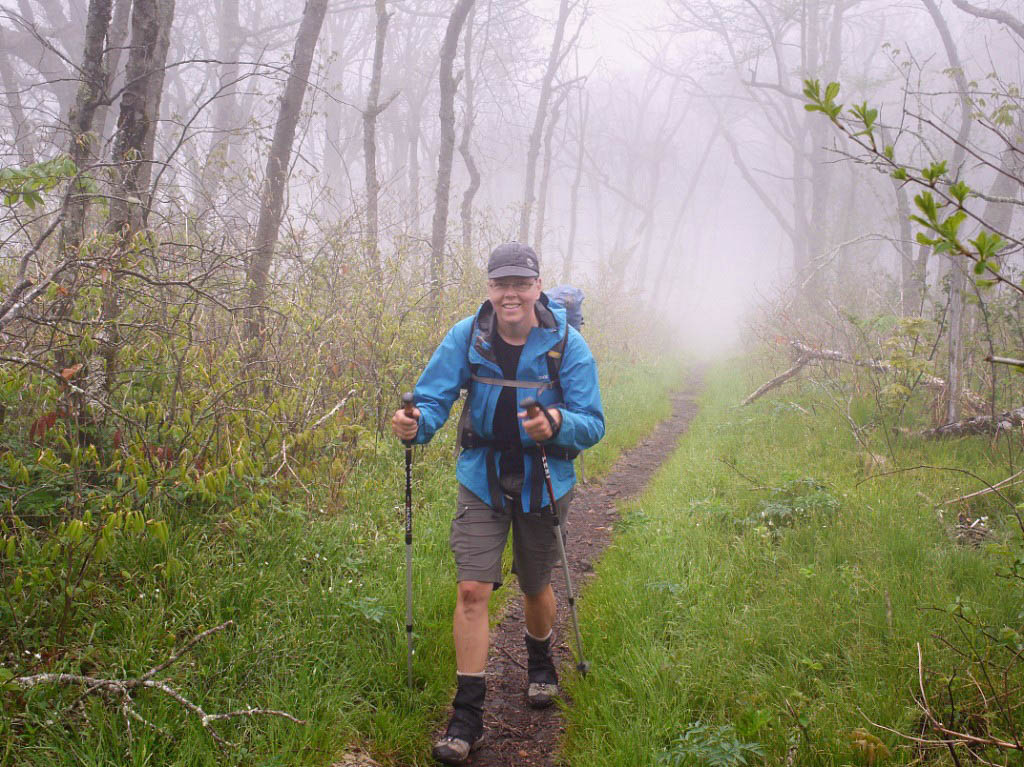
555,355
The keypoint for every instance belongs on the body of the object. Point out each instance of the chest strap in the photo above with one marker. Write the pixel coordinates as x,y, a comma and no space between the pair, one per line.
538,385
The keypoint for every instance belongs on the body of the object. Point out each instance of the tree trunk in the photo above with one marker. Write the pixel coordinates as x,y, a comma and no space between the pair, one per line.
337,146
532,153
1007,183
370,114
154,96
116,37
272,193
225,106
666,134
957,276
12,95
574,194
911,283
444,161
466,210
140,106
911,289
91,90
545,176
413,138
133,147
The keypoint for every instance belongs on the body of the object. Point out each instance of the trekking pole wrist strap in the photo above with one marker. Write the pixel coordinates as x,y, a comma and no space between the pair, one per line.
556,426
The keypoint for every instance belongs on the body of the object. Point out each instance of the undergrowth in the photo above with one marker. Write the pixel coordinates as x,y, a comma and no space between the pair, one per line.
768,593
312,579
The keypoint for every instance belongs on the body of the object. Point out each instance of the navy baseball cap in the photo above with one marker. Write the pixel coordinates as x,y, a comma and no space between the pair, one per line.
513,259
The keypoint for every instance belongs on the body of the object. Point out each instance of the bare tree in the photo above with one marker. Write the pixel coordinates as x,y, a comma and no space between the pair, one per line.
133,153
272,194
545,176
469,117
22,131
225,106
995,14
370,114
555,56
957,274
449,84
574,193
117,35
82,149
797,44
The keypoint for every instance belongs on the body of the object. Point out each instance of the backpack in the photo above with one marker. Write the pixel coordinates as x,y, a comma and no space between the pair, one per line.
571,299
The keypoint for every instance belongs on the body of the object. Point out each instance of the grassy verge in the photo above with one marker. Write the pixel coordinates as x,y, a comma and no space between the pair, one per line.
764,598
318,603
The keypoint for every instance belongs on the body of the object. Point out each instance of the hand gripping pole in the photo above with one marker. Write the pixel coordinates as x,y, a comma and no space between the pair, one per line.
532,411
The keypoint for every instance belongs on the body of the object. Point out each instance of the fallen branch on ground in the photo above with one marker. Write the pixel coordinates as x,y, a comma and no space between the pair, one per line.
777,381
1005,361
121,690
1011,480
982,424
806,353
948,738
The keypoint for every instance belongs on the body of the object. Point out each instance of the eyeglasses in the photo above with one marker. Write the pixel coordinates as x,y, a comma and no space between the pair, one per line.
519,286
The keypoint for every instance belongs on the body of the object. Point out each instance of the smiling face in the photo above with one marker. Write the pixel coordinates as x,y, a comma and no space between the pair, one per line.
513,299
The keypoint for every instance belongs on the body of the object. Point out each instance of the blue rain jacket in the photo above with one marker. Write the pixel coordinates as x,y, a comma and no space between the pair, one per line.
576,395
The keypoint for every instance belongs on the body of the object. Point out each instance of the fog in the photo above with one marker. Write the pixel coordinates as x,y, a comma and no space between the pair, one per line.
673,161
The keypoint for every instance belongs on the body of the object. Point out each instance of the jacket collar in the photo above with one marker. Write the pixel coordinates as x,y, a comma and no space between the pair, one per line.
486,325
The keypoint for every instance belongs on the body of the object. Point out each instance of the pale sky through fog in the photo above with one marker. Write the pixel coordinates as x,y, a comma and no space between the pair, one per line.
729,246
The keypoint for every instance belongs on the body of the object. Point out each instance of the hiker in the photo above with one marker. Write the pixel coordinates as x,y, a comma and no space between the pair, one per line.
518,345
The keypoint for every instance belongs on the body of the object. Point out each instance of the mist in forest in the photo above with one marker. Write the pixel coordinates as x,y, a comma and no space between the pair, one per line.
658,150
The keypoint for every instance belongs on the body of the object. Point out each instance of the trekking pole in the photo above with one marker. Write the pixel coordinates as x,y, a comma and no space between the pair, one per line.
532,409
408,407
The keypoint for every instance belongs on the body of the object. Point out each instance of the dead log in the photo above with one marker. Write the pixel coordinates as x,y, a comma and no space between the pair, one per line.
806,353
777,381
927,380
982,424
1005,361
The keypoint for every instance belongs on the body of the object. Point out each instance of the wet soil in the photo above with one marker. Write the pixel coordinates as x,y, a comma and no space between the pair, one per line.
516,734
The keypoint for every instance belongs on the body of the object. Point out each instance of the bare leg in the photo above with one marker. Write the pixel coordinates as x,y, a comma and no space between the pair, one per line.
470,626
539,610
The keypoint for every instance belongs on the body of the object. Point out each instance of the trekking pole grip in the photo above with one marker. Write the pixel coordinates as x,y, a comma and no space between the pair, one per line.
407,404
532,406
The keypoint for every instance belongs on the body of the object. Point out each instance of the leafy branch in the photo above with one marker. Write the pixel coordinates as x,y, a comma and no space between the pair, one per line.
27,184
941,204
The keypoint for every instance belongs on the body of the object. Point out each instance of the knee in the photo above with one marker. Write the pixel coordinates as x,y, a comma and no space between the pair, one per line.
473,596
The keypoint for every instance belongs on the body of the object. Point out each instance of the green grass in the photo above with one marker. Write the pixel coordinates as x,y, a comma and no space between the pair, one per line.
318,601
790,637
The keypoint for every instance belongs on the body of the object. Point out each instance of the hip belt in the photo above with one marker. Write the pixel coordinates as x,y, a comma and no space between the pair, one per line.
499,498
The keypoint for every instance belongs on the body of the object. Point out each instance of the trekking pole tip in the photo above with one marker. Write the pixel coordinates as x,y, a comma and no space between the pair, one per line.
583,667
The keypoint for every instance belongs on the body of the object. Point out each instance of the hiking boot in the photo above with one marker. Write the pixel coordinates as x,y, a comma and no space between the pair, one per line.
541,676
465,731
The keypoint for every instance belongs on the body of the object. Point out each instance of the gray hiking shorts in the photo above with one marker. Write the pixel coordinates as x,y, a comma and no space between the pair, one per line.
479,534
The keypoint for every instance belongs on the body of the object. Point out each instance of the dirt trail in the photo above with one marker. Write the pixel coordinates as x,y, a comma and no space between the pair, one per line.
517,734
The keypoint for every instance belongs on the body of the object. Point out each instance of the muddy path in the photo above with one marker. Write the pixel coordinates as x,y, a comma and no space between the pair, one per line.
516,734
